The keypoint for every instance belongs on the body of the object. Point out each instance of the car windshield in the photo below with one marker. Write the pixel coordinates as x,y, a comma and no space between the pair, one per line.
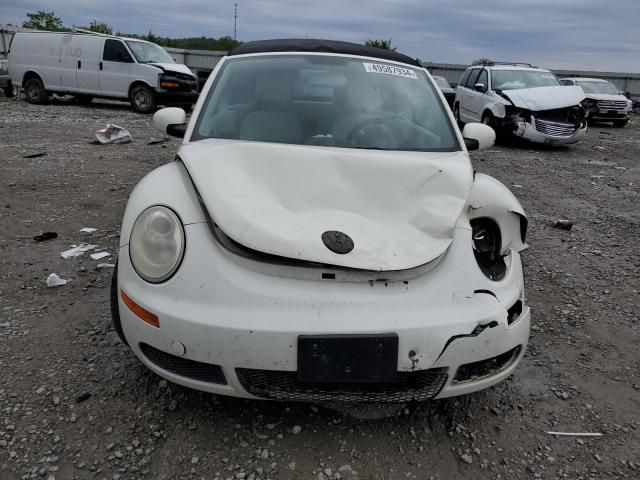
326,100
517,79
442,83
149,52
598,87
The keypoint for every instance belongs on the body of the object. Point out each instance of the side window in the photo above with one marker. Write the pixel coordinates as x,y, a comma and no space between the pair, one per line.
568,83
115,51
483,78
464,78
471,81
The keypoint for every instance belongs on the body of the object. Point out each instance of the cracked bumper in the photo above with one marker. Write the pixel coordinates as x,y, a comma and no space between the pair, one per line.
529,132
230,316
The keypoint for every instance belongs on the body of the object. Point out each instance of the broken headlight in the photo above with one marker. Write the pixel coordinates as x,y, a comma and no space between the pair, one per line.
156,244
487,243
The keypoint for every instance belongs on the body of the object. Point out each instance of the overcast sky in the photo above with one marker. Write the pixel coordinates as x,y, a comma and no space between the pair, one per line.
573,34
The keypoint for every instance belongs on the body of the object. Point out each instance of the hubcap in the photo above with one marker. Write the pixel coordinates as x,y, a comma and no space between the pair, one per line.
141,98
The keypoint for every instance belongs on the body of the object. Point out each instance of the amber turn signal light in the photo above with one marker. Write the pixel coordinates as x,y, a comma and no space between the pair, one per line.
141,313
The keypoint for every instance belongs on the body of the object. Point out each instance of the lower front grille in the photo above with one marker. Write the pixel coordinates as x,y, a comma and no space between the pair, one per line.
279,385
200,371
555,129
486,368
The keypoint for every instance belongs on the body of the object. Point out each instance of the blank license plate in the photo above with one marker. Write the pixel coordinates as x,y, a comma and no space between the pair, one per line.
348,358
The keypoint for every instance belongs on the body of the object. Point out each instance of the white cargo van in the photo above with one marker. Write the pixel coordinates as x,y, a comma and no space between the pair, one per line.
90,66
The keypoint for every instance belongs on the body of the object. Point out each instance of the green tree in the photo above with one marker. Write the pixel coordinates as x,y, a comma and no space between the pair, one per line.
100,27
483,61
382,43
42,20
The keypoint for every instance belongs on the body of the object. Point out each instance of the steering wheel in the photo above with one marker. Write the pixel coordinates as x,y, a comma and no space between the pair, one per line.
376,128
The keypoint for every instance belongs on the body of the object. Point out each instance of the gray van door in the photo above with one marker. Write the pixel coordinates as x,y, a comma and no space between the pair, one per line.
115,69
90,53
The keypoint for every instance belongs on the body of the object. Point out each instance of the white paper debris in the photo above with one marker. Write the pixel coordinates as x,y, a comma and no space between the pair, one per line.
77,251
88,230
113,134
580,434
54,280
99,255
106,265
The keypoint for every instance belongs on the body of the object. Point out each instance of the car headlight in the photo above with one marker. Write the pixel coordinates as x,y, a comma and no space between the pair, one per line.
487,243
629,104
156,244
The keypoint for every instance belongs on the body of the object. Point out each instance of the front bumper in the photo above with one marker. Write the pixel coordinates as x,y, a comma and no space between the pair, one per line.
528,131
217,312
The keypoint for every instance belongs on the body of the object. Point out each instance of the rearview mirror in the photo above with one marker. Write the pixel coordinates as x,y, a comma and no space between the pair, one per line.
171,121
478,136
480,87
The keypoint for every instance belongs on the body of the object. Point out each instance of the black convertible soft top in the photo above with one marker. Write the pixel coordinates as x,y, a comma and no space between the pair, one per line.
323,46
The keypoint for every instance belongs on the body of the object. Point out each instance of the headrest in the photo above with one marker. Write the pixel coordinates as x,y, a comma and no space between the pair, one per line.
273,87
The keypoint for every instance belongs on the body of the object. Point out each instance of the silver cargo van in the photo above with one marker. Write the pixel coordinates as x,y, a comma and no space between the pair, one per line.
90,66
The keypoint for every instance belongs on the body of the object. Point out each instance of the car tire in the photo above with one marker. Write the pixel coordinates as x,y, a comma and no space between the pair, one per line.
84,99
9,91
456,114
115,309
143,99
620,123
35,92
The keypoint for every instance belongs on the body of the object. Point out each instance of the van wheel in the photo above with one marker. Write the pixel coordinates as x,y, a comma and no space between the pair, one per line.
143,99
9,91
35,92
620,123
84,99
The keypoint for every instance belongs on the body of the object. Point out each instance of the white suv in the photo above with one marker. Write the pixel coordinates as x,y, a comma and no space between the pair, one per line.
604,101
521,99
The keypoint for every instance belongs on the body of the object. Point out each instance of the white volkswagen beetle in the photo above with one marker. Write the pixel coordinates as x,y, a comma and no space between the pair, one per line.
322,236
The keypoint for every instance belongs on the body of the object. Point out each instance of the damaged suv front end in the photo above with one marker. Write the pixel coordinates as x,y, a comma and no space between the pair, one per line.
525,101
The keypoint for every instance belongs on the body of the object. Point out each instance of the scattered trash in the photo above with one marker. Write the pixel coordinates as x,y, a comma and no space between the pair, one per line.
54,280
45,236
99,255
564,224
35,155
88,230
600,148
76,251
159,141
113,134
571,434
82,397
515,185
106,265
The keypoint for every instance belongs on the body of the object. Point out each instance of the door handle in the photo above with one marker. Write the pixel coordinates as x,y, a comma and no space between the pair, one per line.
79,64
100,65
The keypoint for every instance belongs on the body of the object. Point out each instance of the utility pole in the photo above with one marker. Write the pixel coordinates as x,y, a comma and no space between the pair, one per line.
235,21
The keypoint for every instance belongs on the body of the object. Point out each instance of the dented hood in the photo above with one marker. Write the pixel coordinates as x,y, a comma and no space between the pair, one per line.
545,98
399,208
607,96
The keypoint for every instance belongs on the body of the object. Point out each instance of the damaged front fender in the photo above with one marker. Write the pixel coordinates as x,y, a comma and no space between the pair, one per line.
490,198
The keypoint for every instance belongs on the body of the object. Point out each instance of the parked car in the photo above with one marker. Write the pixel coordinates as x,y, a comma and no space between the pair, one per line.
322,236
98,66
522,100
448,92
5,80
603,102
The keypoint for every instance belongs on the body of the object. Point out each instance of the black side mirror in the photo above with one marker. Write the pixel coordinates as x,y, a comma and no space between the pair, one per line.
177,129
471,144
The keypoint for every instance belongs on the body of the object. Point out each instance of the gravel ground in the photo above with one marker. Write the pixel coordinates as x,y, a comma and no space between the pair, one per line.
76,403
